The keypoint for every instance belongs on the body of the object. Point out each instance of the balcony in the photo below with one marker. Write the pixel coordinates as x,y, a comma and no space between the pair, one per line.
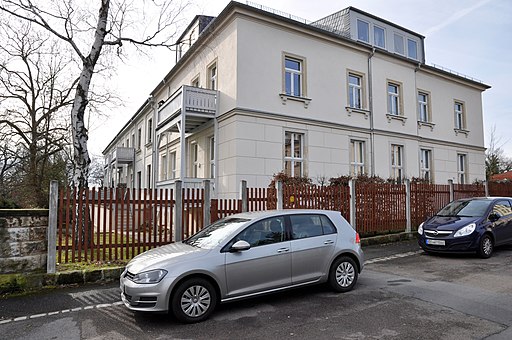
192,105
123,155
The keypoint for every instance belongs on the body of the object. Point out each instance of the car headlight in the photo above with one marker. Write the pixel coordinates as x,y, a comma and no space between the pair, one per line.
152,276
465,230
420,228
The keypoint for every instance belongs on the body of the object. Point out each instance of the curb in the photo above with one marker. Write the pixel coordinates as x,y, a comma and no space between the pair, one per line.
20,283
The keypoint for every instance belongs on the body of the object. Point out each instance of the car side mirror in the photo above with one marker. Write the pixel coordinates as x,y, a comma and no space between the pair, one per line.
240,245
493,217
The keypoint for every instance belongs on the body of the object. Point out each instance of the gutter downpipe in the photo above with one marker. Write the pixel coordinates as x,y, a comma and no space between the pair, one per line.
370,106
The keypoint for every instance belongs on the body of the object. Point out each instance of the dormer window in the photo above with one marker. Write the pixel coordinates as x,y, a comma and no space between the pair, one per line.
412,49
363,31
399,44
379,37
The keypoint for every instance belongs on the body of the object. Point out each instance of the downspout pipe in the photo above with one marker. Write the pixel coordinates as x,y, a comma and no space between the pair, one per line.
370,107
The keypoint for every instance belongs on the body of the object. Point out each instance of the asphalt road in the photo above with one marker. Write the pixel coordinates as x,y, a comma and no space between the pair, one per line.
401,294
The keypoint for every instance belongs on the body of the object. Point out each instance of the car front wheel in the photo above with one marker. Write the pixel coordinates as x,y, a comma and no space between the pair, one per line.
194,300
343,274
486,247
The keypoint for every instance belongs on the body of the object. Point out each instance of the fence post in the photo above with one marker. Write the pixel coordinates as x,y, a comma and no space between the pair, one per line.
243,195
352,194
450,184
486,187
52,228
408,205
178,228
279,194
207,203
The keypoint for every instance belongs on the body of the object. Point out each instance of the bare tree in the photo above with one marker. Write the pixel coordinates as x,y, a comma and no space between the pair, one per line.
495,160
34,90
93,35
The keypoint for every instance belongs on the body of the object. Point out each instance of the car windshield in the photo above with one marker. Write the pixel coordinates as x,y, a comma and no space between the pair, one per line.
215,233
466,208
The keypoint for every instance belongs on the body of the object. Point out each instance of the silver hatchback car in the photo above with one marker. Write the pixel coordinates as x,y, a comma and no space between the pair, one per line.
241,256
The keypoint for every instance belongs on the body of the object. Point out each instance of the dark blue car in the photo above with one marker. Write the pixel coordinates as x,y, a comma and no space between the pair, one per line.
468,225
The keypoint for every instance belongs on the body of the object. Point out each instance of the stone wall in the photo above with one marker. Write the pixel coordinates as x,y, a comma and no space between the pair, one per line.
23,240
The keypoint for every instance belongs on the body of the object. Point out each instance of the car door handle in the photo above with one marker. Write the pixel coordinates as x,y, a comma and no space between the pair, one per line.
329,242
283,250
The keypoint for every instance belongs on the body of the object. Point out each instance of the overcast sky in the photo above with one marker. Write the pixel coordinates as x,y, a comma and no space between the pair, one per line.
471,37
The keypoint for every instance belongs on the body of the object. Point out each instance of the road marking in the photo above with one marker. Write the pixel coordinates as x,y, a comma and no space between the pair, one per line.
393,257
64,311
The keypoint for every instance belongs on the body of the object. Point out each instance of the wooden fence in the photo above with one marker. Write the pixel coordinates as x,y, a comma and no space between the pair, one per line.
121,223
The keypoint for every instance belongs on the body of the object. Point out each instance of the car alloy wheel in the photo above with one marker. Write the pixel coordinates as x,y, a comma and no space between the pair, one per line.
343,274
194,300
486,247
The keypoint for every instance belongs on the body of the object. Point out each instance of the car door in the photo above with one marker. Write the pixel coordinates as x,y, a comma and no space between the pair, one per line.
503,226
266,265
313,240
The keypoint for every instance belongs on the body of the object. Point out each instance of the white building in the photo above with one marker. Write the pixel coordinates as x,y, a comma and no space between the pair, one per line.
255,92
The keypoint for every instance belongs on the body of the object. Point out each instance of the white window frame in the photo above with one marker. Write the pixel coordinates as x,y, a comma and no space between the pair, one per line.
296,90
397,162
291,159
423,107
426,164
211,156
399,49
149,138
194,159
357,157
375,27
367,37
394,99
212,76
163,167
172,164
460,119
355,91
415,49
461,168
139,138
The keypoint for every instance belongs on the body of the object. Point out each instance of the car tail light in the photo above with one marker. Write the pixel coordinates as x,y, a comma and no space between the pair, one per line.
358,239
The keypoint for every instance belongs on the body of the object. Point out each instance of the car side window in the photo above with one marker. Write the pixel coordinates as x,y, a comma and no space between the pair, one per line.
304,226
263,232
502,208
327,225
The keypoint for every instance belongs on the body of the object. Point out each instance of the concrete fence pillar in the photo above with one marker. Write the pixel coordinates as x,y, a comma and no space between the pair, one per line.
243,195
207,203
408,206
279,195
178,213
51,262
352,195
486,187
450,184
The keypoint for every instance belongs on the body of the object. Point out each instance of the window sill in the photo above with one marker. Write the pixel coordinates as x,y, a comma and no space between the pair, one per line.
391,117
350,110
285,97
426,124
461,131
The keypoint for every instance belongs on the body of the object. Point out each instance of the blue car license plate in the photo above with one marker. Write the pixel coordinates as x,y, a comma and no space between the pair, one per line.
435,242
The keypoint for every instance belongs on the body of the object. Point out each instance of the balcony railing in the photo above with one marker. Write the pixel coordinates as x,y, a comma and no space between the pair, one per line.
124,155
190,100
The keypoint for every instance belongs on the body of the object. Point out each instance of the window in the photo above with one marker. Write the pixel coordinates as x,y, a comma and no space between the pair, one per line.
357,157
148,174
363,31
139,138
423,107
304,226
195,82
264,232
172,164
195,160
150,131
127,142
355,91
379,37
133,140
293,77
163,167
293,154
425,164
412,49
211,158
399,44
459,116
461,168
212,77
502,208
394,99
397,165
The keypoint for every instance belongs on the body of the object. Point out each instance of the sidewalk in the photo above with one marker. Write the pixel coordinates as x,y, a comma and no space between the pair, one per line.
24,283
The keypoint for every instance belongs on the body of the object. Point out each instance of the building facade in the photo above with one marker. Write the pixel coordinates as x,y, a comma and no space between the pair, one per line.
254,93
